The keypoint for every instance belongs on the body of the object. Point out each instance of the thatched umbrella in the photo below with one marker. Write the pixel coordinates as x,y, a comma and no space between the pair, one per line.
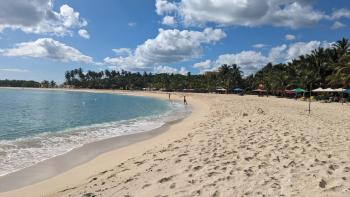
318,90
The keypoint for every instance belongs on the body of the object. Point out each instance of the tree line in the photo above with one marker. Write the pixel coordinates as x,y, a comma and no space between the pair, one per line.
19,83
228,76
27,84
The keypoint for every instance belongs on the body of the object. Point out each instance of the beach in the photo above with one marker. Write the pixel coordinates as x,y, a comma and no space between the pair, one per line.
229,146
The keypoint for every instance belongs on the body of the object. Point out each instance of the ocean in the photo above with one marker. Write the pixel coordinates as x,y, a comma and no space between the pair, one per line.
36,125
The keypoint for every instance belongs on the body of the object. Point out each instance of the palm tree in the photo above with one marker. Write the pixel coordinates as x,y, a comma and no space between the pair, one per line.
68,78
341,75
278,77
236,74
342,47
45,84
52,84
230,75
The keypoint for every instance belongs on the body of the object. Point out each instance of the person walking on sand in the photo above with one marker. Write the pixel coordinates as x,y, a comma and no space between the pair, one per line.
185,101
169,96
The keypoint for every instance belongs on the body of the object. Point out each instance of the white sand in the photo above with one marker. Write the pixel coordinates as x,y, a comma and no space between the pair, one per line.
229,146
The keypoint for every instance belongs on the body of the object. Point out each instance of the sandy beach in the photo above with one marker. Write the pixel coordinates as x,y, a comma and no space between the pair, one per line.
229,146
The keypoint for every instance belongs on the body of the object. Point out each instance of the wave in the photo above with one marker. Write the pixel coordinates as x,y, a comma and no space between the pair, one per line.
24,152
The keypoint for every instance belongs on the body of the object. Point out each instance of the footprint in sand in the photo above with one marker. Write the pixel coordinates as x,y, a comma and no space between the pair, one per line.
197,192
197,168
146,185
182,155
322,183
172,186
216,194
212,174
165,179
89,195
128,180
138,163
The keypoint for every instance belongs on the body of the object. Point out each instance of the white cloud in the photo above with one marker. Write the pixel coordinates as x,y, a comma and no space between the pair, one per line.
338,25
38,16
170,70
46,48
277,54
259,46
183,71
131,24
251,61
165,7
341,13
169,20
285,13
16,70
294,15
84,34
169,46
301,48
165,69
289,37
284,53
122,51
204,66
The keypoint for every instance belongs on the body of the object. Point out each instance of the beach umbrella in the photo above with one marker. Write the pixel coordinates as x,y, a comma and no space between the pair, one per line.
221,89
339,90
298,90
318,90
329,90
237,90
347,91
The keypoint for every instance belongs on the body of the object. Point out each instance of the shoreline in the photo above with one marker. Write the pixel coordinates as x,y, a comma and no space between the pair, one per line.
58,165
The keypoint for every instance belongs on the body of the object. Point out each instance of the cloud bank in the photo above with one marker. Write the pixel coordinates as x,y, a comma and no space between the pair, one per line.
46,48
250,13
38,16
169,46
251,61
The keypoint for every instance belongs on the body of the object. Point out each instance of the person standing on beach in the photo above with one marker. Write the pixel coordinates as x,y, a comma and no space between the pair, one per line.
185,101
169,96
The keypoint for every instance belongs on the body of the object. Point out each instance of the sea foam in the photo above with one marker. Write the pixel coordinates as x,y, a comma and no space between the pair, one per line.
27,151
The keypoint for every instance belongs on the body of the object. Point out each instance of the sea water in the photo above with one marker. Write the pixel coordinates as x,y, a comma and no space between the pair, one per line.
36,125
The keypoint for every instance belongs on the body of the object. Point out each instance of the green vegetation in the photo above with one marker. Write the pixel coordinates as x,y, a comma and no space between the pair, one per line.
48,84
19,83
228,77
27,84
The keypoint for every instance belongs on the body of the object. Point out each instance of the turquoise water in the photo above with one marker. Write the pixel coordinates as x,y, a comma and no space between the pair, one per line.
36,125
27,112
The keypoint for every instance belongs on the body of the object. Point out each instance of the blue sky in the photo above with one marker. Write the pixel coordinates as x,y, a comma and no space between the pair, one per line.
40,39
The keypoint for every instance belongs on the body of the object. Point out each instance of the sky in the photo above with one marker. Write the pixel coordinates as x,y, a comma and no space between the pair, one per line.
41,39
